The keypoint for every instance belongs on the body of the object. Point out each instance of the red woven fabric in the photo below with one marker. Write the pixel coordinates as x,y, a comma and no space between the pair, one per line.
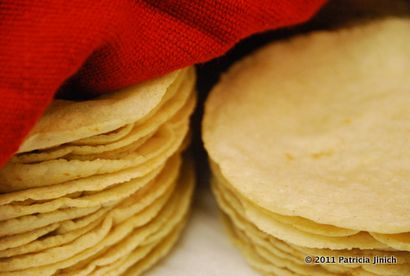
112,44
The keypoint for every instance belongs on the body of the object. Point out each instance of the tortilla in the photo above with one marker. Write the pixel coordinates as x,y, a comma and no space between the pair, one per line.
396,241
254,259
32,222
98,186
59,253
155,255
48,241
316,127
105,138
181,196
169,219
267,256
299,223
77,223
66,121
26,237
138,132
241,211
23,176
102,198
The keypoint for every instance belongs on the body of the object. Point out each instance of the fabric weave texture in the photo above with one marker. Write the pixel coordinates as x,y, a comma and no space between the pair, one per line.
101,46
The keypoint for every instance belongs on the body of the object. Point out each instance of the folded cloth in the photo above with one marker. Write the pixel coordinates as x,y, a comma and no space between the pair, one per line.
105,45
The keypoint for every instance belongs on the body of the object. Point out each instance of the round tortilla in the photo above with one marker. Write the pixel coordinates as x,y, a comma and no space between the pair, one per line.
290,234
318,126
178,199
146,127
66,121
158,148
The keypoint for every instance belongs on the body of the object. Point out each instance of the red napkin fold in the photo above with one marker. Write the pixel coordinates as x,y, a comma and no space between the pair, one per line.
111,44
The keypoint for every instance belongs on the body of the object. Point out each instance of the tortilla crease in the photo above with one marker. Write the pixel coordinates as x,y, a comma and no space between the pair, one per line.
74,224
100,198
66,121
89,184
292,256
49,241
109,196
133,204
257,262
268,263
157,149
139,131
181,117
159,252
140,266
32,222
177,201
90,240
303,269
283,263
300,140
299,223
105,138
161,227
396,241
121,132
26,237
293,235
258,237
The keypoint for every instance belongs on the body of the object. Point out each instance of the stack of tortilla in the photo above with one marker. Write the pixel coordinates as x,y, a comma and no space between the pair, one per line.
309,146
99,187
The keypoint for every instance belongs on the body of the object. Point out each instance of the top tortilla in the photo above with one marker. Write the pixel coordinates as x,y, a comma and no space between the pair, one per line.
319,127
67,121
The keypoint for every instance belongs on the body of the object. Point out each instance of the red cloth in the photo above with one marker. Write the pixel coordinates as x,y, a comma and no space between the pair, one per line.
112,44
